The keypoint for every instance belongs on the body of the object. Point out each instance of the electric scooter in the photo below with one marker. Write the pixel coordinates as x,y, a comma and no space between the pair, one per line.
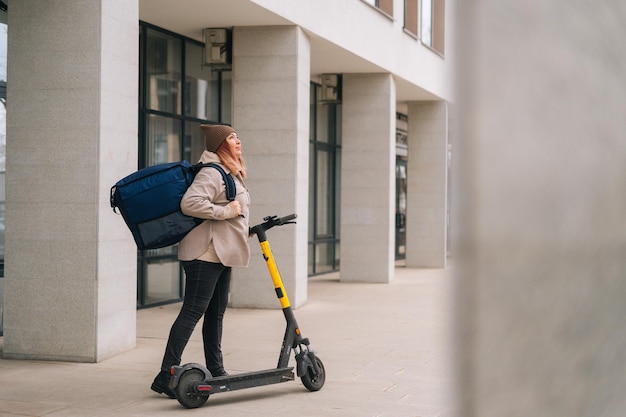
193,384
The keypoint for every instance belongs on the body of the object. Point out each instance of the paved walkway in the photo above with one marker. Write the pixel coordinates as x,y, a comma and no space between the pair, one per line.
385,347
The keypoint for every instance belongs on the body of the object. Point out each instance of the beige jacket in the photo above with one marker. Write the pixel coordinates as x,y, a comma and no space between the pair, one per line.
206,199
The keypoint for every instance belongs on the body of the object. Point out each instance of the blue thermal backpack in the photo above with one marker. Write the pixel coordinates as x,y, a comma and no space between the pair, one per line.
149,202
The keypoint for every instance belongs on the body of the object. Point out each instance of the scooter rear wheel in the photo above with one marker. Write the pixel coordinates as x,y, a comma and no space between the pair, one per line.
185,389
314,383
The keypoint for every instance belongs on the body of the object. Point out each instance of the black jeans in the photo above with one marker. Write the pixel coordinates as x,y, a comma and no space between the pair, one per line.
206,292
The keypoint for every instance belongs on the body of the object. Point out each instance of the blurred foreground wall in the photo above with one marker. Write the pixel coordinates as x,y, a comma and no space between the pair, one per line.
540,209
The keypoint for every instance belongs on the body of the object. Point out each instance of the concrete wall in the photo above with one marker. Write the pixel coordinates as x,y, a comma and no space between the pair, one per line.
71,133
368,178
540,284
427,203
271,114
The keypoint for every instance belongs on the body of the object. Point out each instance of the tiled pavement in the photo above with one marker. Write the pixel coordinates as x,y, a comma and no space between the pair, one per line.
385,347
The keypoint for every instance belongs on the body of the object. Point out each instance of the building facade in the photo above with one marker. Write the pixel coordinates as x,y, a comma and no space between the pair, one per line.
342,108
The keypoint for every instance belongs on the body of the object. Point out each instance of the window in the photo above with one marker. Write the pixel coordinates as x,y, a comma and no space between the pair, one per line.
410,16
425,19
432,19
324,186
401,183
384,5
177,94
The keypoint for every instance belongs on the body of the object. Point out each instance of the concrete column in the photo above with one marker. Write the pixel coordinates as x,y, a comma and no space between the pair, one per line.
541,287
427,165
70,289
368,178
271,77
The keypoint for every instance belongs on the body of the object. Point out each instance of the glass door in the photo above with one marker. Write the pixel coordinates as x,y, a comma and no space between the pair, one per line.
401,184
401,180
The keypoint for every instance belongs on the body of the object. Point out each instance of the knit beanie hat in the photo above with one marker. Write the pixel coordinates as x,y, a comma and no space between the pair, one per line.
214,135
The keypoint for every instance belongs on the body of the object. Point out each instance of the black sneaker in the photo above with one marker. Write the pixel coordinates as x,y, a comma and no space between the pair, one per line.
161,384
218,372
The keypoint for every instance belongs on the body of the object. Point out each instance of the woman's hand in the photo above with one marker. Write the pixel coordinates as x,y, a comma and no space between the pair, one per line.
234,209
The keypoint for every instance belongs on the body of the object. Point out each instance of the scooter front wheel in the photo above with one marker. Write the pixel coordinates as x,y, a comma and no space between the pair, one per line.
185,390
312,382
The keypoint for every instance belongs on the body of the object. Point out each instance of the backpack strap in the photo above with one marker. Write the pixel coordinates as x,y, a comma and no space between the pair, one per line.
231,190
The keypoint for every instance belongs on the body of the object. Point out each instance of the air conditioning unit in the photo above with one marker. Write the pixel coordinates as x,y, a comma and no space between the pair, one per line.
331,88
217,46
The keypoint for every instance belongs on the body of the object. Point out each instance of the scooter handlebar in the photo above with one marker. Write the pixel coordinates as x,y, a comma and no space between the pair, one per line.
271,221
286,219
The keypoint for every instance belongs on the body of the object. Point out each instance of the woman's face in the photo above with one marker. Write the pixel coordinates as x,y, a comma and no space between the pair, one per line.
234,144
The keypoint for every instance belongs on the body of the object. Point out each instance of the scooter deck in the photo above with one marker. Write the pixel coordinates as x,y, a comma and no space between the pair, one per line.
245,380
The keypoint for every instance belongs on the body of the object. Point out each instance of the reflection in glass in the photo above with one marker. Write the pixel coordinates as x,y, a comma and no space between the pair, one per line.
322,128
325,257
164,69
201,86
163,140
193,143
226,115
426,22
325,199
163,281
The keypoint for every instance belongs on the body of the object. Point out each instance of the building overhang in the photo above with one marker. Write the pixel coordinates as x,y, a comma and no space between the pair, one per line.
190,17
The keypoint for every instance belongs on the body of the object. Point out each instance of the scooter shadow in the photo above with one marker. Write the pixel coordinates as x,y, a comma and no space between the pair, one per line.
252,394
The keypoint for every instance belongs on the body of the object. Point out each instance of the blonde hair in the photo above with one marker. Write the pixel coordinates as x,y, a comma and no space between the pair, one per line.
234,163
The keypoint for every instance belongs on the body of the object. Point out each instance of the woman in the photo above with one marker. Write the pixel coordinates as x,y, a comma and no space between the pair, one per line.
209,252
